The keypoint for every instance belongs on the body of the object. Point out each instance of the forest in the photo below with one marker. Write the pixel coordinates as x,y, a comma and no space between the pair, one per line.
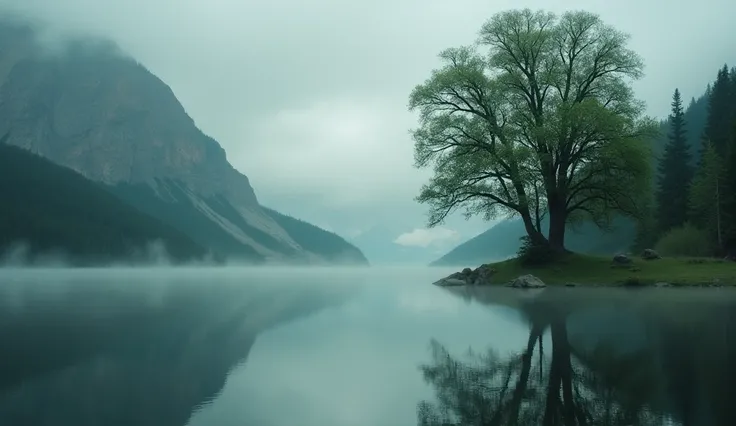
52,213
693,202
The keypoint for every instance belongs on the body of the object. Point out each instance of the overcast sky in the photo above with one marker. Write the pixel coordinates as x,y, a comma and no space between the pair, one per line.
309,97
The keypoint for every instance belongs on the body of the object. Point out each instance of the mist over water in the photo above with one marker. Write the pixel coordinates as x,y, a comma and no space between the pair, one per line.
342,346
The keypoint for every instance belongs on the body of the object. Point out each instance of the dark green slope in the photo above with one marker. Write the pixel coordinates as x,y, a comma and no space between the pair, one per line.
502,240
316,240
55,210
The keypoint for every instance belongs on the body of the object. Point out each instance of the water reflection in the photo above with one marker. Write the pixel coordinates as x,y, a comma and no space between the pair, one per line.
132,350
616,358
331,348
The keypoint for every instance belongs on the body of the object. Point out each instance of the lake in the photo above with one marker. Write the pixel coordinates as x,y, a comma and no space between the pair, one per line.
355,347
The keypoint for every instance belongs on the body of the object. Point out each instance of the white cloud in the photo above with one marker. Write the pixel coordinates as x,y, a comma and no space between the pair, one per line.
423,237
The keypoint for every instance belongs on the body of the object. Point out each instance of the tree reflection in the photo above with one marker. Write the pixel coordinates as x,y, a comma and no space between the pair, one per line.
575,388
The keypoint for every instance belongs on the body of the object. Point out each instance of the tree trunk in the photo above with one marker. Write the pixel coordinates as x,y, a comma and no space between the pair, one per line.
532,232
522,384
557,222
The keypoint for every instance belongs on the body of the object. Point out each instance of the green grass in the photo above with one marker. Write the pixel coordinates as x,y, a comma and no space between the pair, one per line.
592,270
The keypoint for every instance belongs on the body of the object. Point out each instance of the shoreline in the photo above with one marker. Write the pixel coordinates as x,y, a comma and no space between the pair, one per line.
576,270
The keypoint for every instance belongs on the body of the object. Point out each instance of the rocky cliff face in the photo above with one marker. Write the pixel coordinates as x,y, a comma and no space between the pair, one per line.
104,115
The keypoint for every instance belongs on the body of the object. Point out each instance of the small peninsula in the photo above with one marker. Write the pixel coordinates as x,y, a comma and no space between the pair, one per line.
573,270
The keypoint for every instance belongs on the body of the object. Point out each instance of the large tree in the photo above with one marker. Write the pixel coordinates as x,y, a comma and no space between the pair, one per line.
538,117
675,172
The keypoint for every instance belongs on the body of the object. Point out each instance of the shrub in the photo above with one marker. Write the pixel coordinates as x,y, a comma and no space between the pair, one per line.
686,240
531,254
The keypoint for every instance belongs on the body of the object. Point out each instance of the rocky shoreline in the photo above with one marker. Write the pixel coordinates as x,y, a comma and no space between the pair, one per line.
484,276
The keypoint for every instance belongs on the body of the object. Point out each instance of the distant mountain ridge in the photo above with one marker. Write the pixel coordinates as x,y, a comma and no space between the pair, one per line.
107,117
503,239
315,239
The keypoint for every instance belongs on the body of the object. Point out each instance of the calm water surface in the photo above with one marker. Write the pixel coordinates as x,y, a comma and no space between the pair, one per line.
362,347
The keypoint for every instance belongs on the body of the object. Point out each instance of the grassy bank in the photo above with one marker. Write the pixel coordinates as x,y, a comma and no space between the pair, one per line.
593,270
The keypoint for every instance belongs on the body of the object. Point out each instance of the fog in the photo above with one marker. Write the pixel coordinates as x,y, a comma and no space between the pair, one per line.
153,254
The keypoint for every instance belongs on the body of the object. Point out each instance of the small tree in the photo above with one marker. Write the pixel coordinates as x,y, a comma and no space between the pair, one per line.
537,118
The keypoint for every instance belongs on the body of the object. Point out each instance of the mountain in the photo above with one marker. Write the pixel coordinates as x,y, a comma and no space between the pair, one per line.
53,210
92,109
502,240
317,240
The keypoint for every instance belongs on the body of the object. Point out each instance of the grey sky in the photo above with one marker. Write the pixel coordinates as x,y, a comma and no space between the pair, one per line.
309,97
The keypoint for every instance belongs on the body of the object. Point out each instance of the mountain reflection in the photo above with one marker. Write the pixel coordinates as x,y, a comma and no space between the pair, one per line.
610,359
131,353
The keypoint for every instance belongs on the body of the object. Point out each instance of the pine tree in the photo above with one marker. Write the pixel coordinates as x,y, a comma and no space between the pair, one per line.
720,112
729,201
706,195
675,172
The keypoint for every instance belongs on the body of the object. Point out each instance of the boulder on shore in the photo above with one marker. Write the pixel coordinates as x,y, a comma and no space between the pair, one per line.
479,276
483,276
527,281
650,254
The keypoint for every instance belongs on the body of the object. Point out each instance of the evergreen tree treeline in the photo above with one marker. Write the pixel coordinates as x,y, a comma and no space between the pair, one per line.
698,193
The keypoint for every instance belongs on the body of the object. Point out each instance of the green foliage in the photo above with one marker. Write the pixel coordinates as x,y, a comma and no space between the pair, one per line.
543,107
711,136
721,112
598,270
674,172
729,201
686,240
55,210
316,240
706,194
531,254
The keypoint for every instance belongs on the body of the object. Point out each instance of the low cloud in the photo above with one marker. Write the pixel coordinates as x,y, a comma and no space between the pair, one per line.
423,237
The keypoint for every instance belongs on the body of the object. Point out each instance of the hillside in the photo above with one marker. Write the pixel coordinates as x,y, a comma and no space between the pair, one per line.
56,211
317,240
502,240
94,110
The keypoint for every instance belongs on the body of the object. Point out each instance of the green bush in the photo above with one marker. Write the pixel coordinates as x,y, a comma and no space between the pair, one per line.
531,254
685,241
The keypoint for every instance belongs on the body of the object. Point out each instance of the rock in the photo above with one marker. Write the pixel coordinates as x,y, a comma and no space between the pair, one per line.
479,276
621,259
527,281
650,254
450,282
571,285
662,284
